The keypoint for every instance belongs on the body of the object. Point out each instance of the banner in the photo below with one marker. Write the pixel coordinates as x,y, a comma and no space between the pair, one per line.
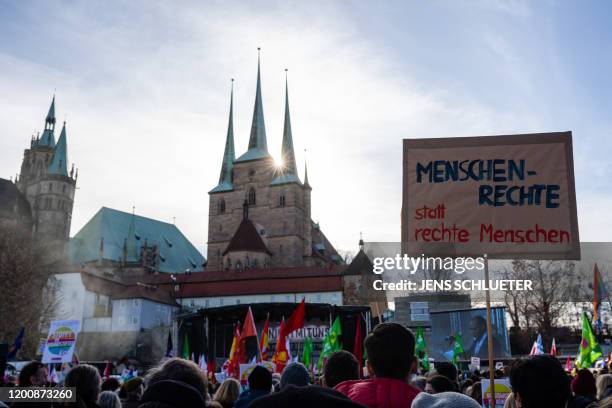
505,196
61,341
245,370
502,390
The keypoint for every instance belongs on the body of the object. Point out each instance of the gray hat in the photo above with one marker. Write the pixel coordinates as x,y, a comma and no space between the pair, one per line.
444,400
295,374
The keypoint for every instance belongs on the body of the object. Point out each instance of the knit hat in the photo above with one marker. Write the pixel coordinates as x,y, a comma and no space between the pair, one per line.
584,383
260,379
170,393
295,374
444,400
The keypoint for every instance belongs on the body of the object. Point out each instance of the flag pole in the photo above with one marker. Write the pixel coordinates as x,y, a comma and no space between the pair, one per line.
489,333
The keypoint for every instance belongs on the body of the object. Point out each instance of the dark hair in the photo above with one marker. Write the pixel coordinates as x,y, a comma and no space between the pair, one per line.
540,382
440,383
260,379
475,391
86,379
110,384
340,366
178,369
446,369
390,349
28,371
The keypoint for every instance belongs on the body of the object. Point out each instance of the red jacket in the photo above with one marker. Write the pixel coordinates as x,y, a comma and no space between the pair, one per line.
379,392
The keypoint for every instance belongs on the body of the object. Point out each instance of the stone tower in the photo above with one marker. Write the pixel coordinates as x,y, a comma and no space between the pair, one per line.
278,202
48,186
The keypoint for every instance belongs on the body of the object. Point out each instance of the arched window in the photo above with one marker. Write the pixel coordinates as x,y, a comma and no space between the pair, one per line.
221,206
281,200
252,199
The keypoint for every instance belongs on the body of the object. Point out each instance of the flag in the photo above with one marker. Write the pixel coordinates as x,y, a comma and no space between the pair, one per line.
553,348
107,370
599,294
589,350
202,363
420,349
281,355
264,340
296,319
568,365
17,343
210,368
75,359
53,377
538,347
249,344
186,347
457,348
230,365
331,342
358,344
307,353
192,358
169,347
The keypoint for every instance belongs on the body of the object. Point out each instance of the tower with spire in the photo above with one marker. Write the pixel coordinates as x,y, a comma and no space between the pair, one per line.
48,184
277,201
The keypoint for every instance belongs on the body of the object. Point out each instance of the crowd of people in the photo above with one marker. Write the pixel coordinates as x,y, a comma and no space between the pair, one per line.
538,381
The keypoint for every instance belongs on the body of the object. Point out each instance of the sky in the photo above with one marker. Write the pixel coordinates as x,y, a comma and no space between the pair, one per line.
144,88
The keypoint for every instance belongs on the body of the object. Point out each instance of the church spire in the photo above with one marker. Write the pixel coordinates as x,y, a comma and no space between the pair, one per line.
59,160
306,174
48,139
226,176
258,146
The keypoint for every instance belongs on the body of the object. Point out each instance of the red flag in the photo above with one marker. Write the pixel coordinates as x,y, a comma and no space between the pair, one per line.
210,367
553,348
249,345
296,320
107,370
232,362
281,356
358,348
264,340
568,365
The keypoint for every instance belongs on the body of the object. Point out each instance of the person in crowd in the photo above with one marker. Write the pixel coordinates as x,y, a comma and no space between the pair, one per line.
539,382
163,393
480,343
109,399
444,400
86,379
110,384
33,374
213,404
510,401
295,374
447,370
475,391
419,382
465,384
584,389
260,384
227,393
276,378
439,383
604,386
133,390
181,370
307,397
391,361
340,366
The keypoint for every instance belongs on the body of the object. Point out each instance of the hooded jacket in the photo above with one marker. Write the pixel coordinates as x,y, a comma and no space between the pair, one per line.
379,392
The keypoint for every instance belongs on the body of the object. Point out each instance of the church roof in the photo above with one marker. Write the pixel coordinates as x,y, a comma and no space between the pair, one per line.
258,146
59,161
323,248
177,253
247,238
13,204
226,176
287,173
47,138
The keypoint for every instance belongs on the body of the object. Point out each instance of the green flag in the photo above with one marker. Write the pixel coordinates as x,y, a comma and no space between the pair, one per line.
458,348
589,350
331,342
307,352
420,349
186,347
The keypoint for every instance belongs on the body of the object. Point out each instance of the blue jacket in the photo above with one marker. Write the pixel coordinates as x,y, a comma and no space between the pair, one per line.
245,398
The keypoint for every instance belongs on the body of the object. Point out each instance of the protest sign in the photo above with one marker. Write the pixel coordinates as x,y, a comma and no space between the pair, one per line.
502,390
61,341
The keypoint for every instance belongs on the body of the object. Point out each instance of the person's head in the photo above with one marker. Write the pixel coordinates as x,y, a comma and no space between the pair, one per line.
478,326
603,381
539,382
33,374
584,384
390,350
340,366
438,383
295,374
260,379
444,400
86,379
475,391
446,369
419,382
110,384
133,388
182,370
109,399
228,392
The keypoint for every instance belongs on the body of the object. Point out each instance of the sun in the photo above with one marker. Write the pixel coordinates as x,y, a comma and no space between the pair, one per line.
279,162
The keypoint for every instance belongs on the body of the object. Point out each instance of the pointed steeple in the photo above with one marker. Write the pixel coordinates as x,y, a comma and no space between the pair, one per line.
59,160
48,138
306,174
226,176
258,146
287,173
